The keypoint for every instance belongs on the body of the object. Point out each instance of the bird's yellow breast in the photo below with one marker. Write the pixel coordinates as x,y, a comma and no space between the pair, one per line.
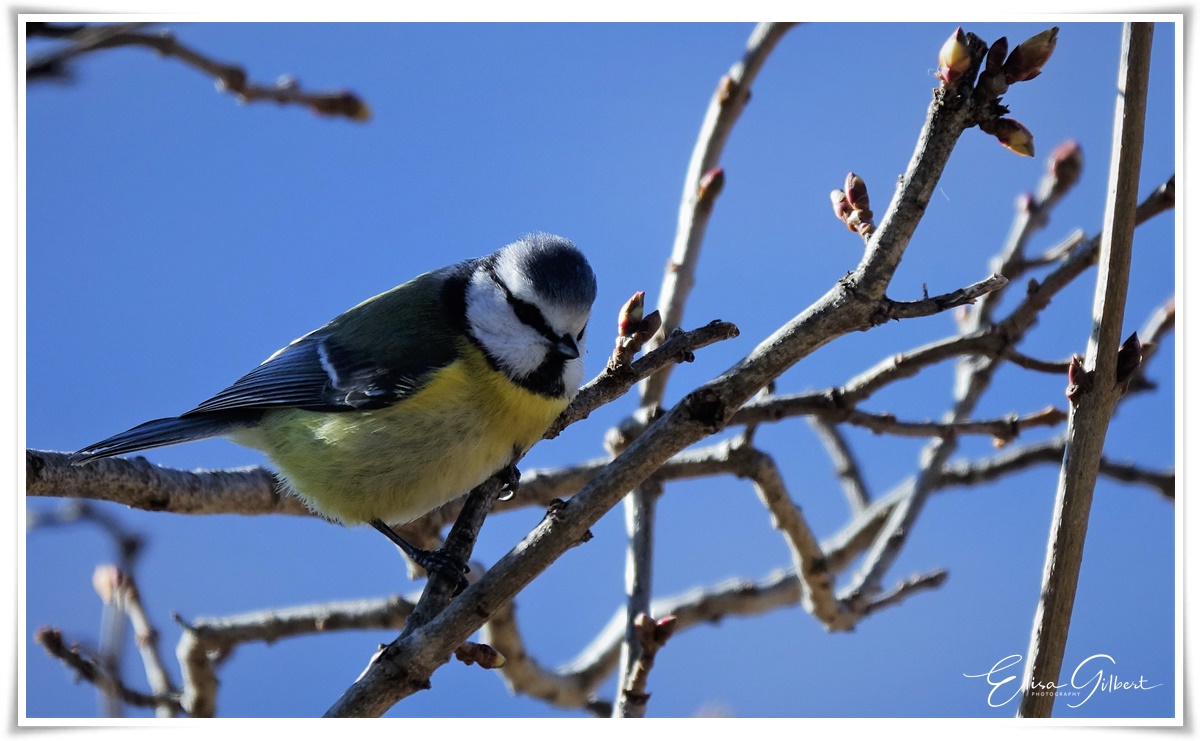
395,464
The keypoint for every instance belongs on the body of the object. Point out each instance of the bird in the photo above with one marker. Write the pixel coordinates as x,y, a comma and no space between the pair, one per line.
413,397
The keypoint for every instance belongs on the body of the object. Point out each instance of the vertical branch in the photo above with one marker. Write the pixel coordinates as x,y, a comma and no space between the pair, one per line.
844,463
1098,394
724,109
701,186
639,568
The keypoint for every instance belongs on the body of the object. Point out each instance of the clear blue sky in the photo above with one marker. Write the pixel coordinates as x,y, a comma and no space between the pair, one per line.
175,239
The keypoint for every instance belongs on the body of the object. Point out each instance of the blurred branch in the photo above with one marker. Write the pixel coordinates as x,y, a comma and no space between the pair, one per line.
90,670
128,544
845,463
523,674
968,473
209,640
701,184
230,78
1063,169
1055,367
906,589
118,590
651,636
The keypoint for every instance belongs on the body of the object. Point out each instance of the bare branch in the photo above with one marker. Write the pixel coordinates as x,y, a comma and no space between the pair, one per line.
612,383
229,77
974,378
137,483
652,635
906,589
522,673
937,304
119,591
90,670
968,473
845,464
703,182
808,560
216,637
1033,213
1056,367
1004,429
1091,413
724,109
640,510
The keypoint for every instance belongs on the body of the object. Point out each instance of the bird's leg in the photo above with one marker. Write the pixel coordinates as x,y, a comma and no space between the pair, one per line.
432,561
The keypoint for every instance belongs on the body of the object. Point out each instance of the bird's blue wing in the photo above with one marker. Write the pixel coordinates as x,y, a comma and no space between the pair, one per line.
314,373
333,369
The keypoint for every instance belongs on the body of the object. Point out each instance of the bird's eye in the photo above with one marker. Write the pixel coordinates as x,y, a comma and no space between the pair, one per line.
527,313
579,336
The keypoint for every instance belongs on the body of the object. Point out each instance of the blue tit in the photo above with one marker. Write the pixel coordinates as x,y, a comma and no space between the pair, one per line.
413,397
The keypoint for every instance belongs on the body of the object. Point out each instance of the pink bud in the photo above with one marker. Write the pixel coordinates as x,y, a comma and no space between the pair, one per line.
1026,61
1013,134
954,59
1066,163
856,192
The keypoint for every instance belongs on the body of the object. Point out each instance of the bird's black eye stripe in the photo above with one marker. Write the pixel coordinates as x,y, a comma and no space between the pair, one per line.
525,311
579,337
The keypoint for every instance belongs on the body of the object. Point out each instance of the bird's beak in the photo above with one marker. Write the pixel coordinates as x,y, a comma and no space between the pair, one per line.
566,347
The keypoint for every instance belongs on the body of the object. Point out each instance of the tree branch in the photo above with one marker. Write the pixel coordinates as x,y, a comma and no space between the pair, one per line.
969,473
229,77
1091,413
724,109
845,464
217,637
90,670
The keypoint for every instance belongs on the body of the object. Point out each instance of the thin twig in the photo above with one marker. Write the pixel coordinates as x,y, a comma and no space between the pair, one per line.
612,383
724,109
90,670
208,637
937,304
145,635
906,589
845,464
1063,168
1056,367
703,183
974,378
229,77
969,473
652,635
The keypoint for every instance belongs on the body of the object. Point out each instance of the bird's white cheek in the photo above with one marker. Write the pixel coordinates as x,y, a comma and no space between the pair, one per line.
573,375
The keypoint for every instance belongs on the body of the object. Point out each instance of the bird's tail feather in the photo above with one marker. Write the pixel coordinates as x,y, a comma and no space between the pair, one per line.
156,434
